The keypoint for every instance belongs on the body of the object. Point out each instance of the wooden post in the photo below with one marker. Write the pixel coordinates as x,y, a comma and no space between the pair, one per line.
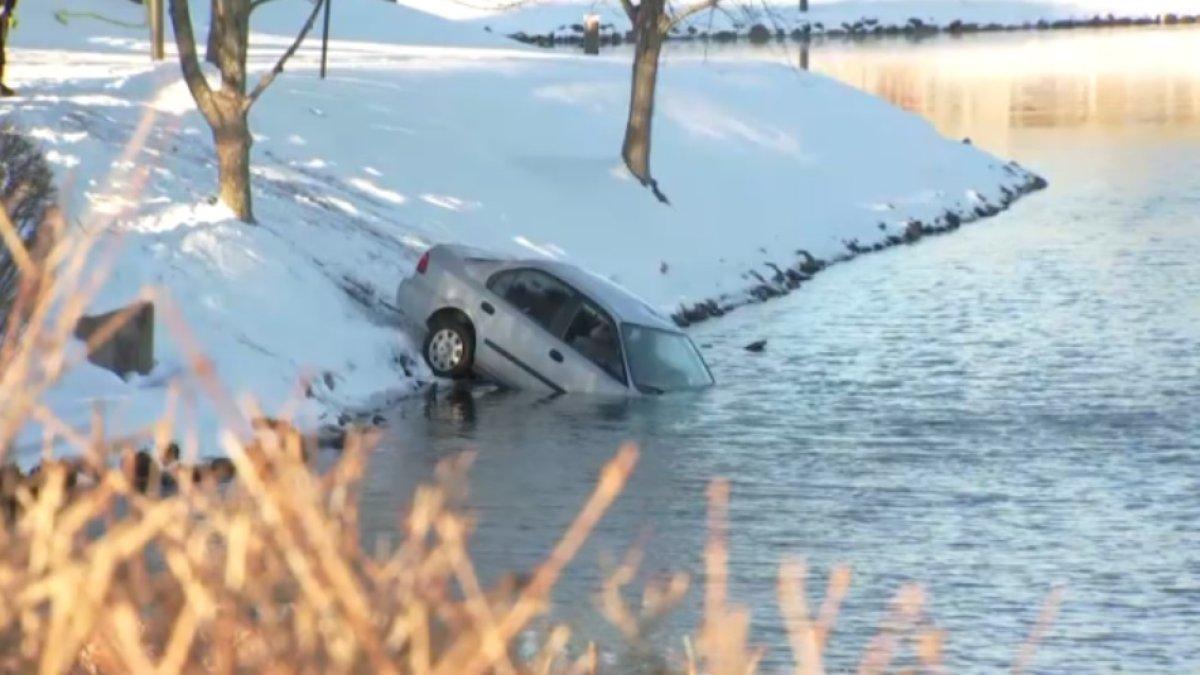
155,8
591,33
325,39
804,55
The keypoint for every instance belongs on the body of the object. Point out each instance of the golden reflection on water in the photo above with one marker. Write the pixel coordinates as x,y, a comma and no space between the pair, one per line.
989,87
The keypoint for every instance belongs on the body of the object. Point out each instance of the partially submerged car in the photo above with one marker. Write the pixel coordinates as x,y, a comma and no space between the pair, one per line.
542,325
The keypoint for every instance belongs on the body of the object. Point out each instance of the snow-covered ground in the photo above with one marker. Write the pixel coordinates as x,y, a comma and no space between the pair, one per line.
561,20
486,142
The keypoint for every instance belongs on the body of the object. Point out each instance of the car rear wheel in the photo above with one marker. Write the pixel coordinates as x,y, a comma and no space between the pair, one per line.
450,347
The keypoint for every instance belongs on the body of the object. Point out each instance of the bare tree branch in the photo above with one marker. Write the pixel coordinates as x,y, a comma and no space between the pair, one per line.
258,3
274,72
686,13
185,42
630,10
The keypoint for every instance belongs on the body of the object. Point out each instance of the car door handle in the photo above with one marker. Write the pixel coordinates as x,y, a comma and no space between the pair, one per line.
487,308
556,355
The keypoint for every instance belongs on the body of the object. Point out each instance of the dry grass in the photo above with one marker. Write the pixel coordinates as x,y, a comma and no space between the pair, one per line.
132,559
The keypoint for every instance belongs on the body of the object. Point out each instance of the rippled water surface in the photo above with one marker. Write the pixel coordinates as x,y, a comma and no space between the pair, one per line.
989,413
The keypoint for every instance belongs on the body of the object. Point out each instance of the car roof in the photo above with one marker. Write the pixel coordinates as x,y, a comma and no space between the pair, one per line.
624,305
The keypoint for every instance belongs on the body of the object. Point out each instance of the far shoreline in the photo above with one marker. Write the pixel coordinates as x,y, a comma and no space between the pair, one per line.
770,30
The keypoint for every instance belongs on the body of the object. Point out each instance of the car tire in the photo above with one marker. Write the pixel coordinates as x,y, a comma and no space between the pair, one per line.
449,348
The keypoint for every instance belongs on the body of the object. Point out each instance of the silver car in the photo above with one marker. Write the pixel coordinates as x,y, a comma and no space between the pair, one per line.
542,325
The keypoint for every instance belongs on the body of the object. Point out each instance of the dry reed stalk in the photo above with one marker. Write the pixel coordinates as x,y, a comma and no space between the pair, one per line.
135,561
105,576
1045,619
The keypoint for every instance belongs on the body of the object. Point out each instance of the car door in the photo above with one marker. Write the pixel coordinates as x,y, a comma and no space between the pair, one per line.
597,359
521,315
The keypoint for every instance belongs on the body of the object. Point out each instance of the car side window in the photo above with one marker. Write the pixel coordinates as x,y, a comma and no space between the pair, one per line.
500,281
535,294
593,334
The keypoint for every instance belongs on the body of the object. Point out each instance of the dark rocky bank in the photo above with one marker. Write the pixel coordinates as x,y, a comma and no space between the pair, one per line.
777,280
915,28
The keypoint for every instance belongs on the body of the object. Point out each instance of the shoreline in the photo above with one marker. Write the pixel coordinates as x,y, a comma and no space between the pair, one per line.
769,29
789,277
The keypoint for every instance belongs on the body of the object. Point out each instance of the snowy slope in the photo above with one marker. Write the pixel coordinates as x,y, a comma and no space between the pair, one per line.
560,18
405,146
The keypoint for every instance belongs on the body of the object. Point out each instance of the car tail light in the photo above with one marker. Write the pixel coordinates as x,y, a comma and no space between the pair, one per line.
423,263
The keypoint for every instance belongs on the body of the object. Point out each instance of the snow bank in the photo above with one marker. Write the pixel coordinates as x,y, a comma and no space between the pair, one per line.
405,146
550,22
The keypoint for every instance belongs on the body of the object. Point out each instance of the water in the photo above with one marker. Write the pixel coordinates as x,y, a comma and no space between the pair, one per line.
990,413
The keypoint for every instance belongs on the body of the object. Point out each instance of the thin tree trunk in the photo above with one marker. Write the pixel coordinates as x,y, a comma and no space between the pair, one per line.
233,169
636,147
232,139
210,50
231,133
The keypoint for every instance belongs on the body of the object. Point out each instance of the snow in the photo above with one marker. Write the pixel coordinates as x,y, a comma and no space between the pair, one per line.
559,17
408,144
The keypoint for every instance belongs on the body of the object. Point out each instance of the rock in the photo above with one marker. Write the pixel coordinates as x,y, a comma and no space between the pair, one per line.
809,265
757,346
913,231
10,480
218,470
332,437
128,350
169,454
145,473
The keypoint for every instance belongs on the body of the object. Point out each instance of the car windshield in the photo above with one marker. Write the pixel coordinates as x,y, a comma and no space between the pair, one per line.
663,360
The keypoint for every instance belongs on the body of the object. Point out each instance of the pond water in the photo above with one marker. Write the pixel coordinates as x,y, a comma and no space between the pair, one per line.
990,413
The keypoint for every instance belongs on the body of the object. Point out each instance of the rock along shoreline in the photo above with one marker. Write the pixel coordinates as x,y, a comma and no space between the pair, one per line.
781,279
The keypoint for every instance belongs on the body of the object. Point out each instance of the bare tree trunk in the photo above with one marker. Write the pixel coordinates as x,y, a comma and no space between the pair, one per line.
231,135
210,50
636,147
231,129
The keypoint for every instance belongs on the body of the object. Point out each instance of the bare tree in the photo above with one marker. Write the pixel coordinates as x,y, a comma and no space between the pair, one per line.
227,109
652,21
